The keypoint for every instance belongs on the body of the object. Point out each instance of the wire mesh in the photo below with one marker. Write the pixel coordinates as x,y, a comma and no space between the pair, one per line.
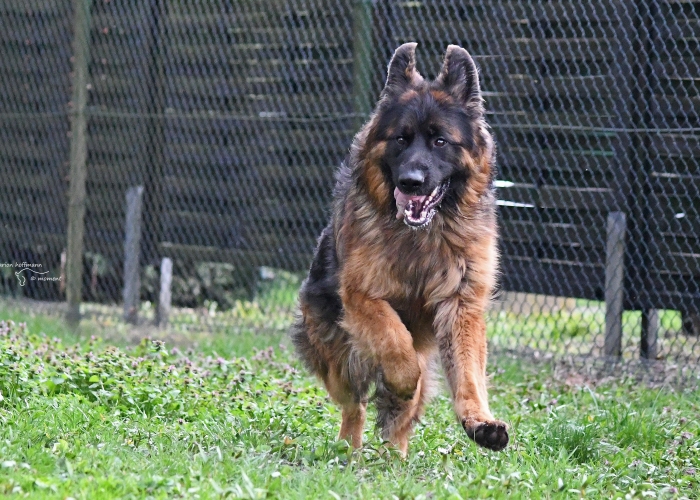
234,114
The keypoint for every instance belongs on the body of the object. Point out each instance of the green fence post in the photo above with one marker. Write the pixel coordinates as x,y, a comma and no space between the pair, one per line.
78,155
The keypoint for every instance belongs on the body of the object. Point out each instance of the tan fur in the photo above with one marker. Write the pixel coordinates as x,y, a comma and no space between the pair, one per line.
441,96
402,426
407,295
393,350
353,423
407,96
450,271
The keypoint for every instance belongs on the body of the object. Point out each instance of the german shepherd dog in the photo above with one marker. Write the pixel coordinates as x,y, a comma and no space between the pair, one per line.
406,267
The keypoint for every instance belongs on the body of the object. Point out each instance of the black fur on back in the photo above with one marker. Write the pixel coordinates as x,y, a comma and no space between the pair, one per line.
319,292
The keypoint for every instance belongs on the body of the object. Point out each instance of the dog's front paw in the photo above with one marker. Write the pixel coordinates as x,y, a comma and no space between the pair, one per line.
492,435
402,379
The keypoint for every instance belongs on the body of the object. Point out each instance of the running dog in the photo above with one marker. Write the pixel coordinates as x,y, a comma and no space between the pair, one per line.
405,269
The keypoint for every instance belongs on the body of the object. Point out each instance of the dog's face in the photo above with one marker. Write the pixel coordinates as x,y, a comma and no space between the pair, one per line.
435,145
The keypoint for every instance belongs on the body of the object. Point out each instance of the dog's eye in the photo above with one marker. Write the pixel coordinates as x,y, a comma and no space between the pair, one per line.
401,141
440,142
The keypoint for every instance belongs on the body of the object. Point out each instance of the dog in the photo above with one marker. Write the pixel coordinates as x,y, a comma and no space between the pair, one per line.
405,269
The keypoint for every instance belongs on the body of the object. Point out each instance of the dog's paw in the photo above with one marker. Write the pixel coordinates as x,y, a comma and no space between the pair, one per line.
402,380
492,435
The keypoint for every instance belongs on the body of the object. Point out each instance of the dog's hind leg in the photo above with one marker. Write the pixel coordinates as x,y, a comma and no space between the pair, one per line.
353,405
347,382
353,423
396,416
325,349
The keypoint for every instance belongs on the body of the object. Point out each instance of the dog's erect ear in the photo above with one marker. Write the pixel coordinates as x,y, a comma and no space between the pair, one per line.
402,69
460,77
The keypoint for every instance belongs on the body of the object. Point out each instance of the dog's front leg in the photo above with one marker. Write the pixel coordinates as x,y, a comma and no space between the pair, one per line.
461,332
378,332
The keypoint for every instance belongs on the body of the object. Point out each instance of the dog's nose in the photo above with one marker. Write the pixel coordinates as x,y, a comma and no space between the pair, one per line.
411,181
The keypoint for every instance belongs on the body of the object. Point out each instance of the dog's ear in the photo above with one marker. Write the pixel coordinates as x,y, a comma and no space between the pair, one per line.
402,69
459,76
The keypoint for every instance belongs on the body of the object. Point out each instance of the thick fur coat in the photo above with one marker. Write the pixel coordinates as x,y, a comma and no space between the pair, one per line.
405,269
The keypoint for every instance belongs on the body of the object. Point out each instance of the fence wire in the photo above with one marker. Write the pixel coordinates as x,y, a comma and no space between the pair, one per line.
234,114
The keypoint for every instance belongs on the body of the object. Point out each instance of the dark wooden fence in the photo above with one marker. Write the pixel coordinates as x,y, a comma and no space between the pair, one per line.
594,106
256,97
670,276
35,40
235,114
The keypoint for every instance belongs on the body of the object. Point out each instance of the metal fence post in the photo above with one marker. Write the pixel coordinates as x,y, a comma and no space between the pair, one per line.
132,249
614,282
78,156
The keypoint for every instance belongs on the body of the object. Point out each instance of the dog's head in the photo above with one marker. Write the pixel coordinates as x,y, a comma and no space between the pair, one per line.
429,139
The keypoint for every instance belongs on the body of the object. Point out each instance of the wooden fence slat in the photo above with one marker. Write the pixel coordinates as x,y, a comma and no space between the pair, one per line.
560,234
684,263
568,197
362,60
552,278
545,251
556,159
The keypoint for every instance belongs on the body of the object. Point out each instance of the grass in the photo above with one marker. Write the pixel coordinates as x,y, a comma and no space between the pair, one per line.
236,417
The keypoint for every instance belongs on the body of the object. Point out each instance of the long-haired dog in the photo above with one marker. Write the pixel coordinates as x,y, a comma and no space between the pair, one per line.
406,267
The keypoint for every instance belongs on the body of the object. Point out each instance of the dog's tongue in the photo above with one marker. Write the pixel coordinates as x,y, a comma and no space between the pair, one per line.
403,199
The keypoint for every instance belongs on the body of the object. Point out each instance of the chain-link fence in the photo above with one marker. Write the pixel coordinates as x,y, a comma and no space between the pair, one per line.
234,114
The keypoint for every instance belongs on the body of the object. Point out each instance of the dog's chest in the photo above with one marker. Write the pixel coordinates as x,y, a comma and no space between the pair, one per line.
406,267
424,273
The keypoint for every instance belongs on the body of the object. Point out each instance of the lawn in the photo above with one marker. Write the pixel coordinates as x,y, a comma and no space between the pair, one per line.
235,416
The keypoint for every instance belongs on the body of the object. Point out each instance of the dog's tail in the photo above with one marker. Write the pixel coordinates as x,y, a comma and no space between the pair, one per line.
307,352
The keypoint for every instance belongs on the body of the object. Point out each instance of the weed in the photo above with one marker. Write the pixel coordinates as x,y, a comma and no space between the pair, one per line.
237,418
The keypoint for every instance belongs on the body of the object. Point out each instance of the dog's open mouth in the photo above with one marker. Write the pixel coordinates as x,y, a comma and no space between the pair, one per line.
418,211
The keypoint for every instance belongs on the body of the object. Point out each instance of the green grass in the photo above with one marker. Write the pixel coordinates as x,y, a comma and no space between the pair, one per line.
236,417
